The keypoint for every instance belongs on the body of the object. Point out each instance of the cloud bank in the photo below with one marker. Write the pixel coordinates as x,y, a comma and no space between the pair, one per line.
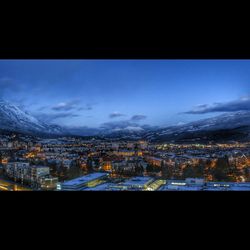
49,118
242,104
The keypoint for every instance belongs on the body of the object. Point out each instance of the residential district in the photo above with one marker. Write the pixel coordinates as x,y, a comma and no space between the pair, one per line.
30,163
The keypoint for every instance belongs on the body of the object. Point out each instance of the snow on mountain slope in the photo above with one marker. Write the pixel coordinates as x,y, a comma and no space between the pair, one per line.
227,121
13,118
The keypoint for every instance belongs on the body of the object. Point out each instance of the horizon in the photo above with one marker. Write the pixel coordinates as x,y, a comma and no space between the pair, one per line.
116,94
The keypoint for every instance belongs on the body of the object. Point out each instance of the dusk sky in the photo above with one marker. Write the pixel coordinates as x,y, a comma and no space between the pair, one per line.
98,93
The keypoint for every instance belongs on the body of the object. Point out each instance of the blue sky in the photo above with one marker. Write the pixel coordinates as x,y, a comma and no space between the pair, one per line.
153,92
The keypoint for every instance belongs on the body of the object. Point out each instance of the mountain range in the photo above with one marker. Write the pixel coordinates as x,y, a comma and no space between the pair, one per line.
12,118
233,126
225,127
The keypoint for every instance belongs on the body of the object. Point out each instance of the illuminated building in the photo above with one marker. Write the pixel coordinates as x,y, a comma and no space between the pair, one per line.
124,153
17,170
36,176
101,187
37,172
4,161
195,181
154,161
156,185
107,166
190,184
48,183
179,188
89,180
130,145
115,146
135,183
143,144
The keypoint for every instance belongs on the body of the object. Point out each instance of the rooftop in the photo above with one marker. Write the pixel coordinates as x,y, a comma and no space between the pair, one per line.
84,179
140,180
102,187
179,188
38,166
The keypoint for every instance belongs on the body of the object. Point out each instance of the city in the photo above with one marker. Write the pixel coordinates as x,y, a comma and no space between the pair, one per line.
76,164
124,125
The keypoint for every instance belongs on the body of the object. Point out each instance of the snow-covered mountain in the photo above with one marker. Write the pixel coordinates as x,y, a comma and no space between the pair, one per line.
12,118
228,126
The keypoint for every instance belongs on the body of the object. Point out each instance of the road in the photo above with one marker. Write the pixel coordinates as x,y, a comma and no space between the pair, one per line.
6,185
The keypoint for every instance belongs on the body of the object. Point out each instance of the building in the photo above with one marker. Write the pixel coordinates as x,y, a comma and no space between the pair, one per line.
115,146
195,181
41,179
48,183
175,184
124,153
38,177
135,183
101,187
189,184
143,145
155,185
89,180
118,164
106,166
18,171
179,188
155,161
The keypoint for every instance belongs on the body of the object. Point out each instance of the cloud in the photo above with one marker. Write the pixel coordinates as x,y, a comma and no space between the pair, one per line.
53,117
138,117
125,125
115,115
130,124
202,106
242,104
180,123
117,124
65,106
71,105
134,128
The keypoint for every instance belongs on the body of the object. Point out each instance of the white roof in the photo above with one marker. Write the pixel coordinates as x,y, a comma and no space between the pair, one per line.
84,179
179,188
101,187
140,180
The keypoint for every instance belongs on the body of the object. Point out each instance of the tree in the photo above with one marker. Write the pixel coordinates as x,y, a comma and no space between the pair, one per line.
89,165
189,172
221,170
167,171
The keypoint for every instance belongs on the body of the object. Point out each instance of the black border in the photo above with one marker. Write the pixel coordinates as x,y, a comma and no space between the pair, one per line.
173,51
177,48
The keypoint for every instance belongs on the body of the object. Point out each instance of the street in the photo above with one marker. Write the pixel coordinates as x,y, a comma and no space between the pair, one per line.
10,186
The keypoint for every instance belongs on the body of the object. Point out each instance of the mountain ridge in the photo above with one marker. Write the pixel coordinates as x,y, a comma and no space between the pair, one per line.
225,127
12,118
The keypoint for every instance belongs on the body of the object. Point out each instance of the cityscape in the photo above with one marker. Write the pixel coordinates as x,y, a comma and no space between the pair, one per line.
124,125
